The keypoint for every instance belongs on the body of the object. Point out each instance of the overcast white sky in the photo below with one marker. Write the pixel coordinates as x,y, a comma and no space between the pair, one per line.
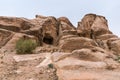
73,9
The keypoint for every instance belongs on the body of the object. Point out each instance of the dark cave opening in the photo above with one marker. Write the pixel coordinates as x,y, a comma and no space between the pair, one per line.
48,40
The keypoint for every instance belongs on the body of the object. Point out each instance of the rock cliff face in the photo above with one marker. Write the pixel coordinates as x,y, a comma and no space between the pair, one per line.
91,46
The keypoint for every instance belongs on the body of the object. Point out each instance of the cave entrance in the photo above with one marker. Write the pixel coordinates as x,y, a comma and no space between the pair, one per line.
48,40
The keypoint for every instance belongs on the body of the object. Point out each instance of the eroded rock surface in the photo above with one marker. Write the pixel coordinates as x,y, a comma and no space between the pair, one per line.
64,52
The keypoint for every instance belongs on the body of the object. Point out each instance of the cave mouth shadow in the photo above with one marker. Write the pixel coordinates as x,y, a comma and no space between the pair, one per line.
48,40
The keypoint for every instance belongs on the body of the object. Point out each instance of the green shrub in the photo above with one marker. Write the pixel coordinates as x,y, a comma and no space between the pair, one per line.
50,65
24,46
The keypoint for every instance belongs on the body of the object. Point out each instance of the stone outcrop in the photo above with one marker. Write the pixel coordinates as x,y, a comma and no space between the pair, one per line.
15,24
76,43
45,29
93,25
5,36
114,45
65,24
62,50
93,30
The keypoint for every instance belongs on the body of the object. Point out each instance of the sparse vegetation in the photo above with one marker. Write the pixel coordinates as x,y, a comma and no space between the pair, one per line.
24,46
50,65
118,59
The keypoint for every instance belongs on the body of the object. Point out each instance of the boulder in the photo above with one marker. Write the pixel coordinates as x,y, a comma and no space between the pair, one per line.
73,43
90,54
15,24
86,22
70,63
93,25
100,26
114,45
65,24
84,26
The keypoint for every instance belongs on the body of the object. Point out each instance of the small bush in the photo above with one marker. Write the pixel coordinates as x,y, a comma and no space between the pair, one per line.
50,65
24,46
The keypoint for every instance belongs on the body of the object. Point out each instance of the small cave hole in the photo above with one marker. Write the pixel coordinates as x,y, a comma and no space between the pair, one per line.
48,40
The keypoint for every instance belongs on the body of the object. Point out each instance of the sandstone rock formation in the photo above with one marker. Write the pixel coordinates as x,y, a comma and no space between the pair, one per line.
89,51
15,24
93,25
